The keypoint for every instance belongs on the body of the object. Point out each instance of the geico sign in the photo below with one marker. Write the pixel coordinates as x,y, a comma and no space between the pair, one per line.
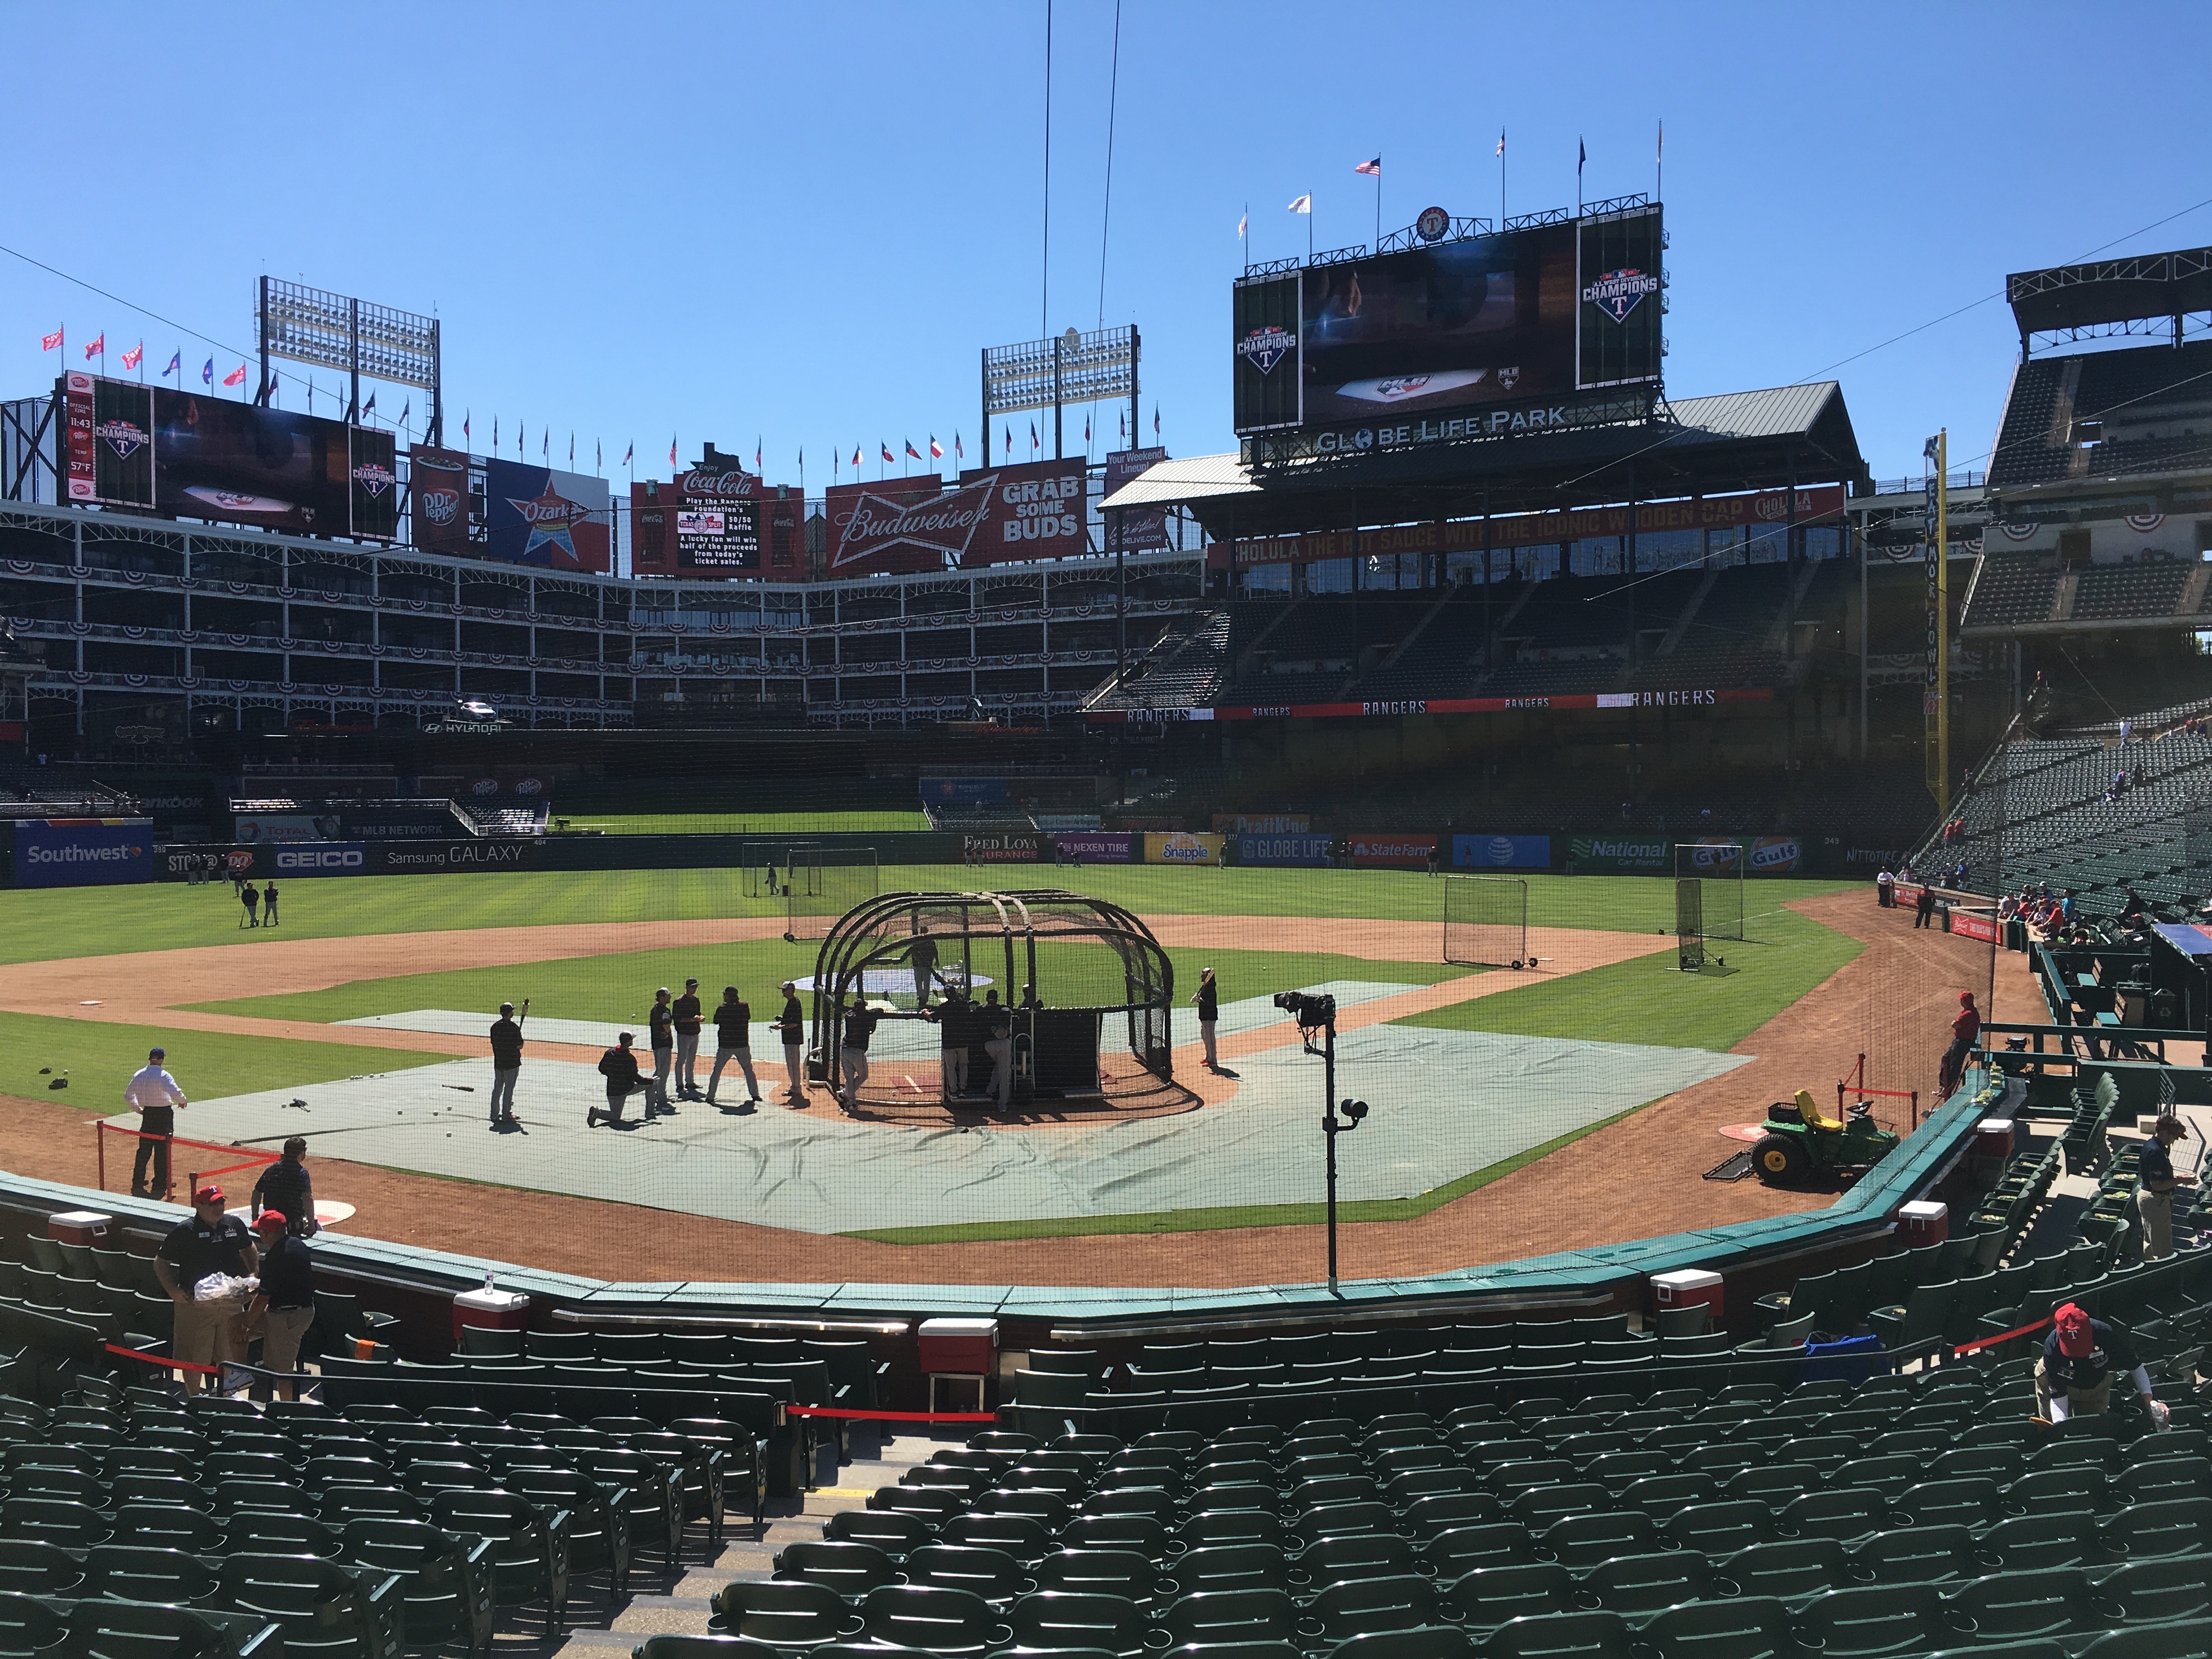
309,861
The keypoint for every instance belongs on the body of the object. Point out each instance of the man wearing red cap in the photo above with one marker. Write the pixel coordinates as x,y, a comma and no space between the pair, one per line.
285,1305
1964,1029
211,1242
2080,1359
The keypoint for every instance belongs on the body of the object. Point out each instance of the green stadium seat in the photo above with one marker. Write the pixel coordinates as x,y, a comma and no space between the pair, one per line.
1583,1540
1719,1528
1734,1627
1109,1572
1232,1526
1243,1615
2162,1590
2189,1640
2061,1604
1875,1621
1838,1513
1563,1636
2178,1526
1937,1502
1364,1605
1488,1597
1635,1586
1460,1550
784,1614
1358,1555
29,1627
33,1567
1785,1569
1433,1642
1918,1555
446,1582
1061,1619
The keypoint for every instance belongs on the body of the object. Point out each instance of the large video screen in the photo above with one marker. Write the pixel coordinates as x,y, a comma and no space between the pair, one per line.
1515,318
234,463
543,516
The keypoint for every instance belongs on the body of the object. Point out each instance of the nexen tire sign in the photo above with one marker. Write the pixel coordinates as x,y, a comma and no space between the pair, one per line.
83,852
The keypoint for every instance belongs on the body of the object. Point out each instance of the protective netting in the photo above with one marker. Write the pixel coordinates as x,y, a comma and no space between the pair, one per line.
1718,867
1485,921
822,883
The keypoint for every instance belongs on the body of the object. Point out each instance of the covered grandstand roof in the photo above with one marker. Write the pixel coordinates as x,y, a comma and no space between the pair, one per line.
1737,440
2145,287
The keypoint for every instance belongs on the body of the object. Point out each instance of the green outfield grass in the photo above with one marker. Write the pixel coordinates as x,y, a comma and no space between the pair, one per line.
100,1059
744,824
41,924
1235,1216
620,987
1642,1001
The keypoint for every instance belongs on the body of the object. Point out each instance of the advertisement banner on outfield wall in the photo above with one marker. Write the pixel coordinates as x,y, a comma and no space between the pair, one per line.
1002,849
1095,846
964,789
1620,856
275,827
319,858
1306,850
1263,823
1392,852
83,852
1181,846
1501,852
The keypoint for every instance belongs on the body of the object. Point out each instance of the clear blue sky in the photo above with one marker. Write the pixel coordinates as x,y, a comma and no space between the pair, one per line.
803,222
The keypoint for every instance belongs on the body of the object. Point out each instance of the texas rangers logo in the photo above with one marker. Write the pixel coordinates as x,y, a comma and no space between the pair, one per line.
122,436
374,478
1617,293
1263,348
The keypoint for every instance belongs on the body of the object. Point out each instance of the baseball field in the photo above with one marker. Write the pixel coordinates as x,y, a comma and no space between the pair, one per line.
1575,1101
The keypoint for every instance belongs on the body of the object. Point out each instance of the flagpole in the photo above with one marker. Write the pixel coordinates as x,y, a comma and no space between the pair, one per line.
1501,179
1659,167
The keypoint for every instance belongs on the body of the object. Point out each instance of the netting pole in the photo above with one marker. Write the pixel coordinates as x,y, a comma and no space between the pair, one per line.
100,1150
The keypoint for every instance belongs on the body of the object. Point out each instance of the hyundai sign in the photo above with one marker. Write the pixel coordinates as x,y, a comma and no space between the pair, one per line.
83,852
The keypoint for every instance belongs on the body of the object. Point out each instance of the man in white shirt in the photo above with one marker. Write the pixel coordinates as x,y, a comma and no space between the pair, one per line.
154,1095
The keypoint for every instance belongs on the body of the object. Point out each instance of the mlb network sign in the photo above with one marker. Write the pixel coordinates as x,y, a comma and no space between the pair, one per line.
83,852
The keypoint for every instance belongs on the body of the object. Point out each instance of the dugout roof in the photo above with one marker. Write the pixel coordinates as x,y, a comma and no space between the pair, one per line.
1740,441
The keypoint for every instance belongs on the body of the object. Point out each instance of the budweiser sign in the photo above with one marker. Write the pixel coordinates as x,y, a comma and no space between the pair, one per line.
944,525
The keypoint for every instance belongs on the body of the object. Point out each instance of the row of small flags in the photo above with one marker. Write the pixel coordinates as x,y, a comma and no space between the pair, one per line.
1373,168
137,355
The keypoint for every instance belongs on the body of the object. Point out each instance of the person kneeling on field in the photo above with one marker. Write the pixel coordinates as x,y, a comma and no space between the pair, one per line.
619,1066
2080,1359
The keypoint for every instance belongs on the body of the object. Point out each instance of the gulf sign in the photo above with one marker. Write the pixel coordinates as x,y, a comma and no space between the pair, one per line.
83,852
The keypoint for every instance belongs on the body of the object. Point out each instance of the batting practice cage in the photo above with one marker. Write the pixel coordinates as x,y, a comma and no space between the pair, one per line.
1709,878
1485,921
1044,1001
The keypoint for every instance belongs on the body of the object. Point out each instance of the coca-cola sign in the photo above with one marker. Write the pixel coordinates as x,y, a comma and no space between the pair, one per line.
700,481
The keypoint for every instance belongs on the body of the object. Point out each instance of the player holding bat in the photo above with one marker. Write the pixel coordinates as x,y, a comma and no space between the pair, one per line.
506,1063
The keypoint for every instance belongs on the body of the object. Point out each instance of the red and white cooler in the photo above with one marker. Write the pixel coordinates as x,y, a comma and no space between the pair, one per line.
1689,1287
491,1310
1922,1223
959,1357
79,1227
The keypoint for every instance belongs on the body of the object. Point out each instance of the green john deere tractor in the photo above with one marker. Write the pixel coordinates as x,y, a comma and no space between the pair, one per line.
1799,1140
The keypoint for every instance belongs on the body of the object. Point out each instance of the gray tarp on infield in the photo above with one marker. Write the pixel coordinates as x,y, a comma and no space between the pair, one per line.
1445,1104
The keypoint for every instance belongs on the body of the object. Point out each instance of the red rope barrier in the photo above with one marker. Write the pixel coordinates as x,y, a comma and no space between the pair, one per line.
166,1363
1991,1341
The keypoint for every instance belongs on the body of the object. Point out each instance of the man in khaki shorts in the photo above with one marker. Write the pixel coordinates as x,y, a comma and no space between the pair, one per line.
285,1306
209,1242
2156,1183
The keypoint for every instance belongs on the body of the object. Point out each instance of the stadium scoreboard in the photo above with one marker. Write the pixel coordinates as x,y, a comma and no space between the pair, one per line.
1525,320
